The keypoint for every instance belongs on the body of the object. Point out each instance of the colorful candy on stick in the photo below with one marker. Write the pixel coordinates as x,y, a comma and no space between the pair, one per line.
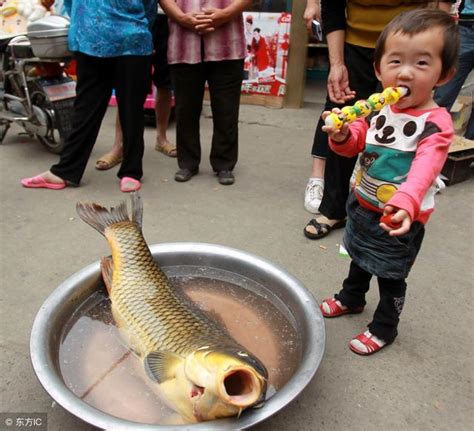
362,108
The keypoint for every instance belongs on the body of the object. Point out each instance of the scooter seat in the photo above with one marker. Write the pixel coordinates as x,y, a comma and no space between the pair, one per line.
21,50
4,41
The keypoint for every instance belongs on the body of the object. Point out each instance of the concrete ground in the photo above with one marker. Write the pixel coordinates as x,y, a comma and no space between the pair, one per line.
422,382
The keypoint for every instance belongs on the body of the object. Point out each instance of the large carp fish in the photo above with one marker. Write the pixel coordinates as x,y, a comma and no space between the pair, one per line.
203,373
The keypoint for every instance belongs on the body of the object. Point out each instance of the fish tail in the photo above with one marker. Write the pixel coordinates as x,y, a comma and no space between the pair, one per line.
100,217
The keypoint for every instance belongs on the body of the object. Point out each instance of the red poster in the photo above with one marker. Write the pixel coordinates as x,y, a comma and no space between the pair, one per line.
268,40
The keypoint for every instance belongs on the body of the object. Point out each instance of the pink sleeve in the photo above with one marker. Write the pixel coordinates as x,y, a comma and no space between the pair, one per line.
431,154
355,142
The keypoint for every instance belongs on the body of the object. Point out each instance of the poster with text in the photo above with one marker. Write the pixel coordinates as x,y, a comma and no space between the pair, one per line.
267,38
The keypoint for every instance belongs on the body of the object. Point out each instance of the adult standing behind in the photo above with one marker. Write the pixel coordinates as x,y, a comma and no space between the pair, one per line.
446,95
206,43
163,103
315,186
112,43
351,28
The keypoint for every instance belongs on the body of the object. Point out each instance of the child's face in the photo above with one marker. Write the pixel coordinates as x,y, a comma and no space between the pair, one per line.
413,61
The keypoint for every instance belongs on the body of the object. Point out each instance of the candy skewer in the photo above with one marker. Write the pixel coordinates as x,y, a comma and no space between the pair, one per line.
362,108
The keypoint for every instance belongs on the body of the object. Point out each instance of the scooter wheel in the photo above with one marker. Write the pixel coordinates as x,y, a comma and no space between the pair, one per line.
53,144
3,131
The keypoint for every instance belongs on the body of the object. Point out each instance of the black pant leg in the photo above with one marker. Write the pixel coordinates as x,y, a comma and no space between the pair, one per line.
188,83
320,141
338,171
354,287
225,82
387,315
93,91
132,84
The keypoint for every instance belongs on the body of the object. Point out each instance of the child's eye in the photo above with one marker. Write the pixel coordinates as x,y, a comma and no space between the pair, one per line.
394,62
422,63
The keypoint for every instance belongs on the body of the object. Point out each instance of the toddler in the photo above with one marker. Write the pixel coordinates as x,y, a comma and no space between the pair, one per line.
403,148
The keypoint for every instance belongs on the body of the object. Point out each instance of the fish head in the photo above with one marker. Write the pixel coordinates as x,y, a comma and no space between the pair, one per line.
225,382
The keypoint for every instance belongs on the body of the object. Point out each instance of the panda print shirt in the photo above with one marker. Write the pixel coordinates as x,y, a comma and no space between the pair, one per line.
401,154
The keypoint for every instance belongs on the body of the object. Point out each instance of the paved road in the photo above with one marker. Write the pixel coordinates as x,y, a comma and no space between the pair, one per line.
422,382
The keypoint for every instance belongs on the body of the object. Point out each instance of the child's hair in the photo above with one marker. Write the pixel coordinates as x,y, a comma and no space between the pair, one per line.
417,21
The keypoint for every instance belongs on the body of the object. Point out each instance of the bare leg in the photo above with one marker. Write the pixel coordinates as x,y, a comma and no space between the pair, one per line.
114,156
117,148
51,178
162,113
318,168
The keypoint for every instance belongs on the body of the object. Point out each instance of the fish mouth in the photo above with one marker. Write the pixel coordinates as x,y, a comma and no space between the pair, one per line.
240,387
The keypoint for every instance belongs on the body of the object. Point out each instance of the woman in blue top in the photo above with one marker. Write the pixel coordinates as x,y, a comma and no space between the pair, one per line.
112,43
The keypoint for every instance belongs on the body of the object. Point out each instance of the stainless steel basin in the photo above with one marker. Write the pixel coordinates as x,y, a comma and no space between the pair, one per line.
60,305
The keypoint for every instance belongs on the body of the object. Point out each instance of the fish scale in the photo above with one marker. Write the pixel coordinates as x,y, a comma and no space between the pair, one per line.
148,305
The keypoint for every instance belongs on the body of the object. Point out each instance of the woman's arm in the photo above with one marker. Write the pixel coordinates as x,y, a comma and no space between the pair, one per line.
221,16
312,11
333,15
338,80
190,20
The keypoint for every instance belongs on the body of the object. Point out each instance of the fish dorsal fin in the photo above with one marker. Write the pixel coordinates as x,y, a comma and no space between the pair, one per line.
107,268
161,366
137,208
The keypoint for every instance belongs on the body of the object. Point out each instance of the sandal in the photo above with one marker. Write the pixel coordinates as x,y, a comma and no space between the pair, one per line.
167,149
128,185
322,229
331,307
39,182
108,161
366,344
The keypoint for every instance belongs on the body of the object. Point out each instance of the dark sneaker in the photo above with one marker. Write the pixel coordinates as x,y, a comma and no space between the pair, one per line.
226,178
184,175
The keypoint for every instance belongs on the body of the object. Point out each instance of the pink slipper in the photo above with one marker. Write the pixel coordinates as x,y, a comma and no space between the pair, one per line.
39,182
128,184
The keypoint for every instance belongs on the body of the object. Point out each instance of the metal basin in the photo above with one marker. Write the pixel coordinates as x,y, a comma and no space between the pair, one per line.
48,329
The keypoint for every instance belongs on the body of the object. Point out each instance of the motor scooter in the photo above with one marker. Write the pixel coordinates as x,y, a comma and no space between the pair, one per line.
36,92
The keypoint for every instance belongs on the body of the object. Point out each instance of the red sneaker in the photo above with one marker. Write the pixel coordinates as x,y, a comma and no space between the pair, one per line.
331,307
366,344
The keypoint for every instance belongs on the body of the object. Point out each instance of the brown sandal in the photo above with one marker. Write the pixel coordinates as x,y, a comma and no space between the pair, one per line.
108,161
167,149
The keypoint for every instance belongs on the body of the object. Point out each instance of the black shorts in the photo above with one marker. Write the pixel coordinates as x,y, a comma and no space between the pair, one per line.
161,72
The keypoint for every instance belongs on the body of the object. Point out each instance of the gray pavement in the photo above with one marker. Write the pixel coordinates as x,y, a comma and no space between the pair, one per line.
422,382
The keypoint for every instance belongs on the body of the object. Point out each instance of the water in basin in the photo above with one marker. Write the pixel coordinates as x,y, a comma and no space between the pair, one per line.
98,368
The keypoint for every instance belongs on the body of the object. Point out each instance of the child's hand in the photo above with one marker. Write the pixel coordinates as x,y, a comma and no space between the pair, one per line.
395,221
338,135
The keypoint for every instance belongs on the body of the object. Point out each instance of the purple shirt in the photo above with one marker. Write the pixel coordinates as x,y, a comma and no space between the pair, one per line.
225,43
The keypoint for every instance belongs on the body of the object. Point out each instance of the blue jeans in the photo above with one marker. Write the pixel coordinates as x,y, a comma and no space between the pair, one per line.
446,94
373,249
